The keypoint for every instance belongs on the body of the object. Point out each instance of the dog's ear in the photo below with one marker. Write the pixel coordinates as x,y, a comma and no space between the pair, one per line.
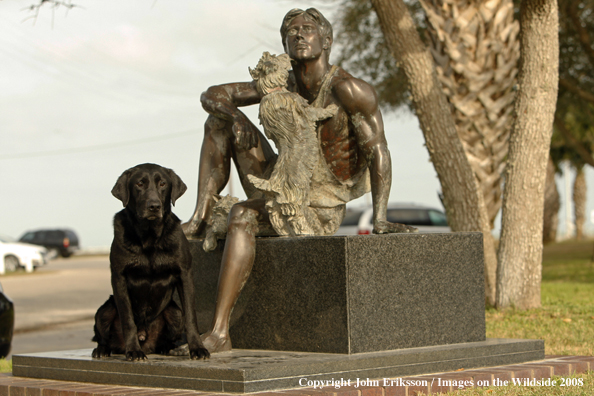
178,187
120,190
284,61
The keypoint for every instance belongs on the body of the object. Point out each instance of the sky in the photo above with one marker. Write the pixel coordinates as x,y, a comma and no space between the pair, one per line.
89,93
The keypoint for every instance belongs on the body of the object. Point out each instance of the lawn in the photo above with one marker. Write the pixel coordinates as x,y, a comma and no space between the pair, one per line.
565,321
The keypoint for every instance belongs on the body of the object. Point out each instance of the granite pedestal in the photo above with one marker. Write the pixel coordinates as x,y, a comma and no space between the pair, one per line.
323,308
242,371
353,294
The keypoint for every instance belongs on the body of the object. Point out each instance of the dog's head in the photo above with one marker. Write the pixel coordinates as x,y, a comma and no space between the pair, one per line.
149,190
271,72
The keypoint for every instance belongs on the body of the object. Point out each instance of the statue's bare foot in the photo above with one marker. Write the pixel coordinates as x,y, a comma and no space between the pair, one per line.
216,343
385,227
182,350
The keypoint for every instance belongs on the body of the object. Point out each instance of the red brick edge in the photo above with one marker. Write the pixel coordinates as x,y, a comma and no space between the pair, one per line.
405,386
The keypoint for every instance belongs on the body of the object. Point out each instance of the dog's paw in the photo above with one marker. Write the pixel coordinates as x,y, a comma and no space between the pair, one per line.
199,353
135,356
101,351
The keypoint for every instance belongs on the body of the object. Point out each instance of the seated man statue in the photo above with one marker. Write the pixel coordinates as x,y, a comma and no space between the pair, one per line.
353,157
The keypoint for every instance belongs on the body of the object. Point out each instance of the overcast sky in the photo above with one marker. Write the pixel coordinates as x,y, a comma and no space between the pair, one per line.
113,83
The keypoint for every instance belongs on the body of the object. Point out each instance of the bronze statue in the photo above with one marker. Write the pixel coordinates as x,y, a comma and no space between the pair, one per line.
354,157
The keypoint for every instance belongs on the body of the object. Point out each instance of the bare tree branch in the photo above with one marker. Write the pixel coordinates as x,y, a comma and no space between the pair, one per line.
54,4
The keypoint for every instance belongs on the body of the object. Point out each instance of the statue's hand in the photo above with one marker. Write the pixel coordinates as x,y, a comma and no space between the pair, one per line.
385,227
246,134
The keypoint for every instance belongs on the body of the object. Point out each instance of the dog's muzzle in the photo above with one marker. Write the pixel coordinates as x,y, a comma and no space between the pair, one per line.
153,210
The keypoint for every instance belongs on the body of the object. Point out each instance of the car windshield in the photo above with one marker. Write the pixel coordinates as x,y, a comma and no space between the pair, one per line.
438,218
28,237
419,217
409,216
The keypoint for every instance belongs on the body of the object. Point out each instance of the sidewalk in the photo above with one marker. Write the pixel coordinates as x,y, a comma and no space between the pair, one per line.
434,383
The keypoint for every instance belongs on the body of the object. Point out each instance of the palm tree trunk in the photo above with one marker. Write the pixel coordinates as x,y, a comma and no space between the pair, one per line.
462,198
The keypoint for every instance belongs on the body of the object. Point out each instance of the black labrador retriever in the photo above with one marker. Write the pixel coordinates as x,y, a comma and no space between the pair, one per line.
150,259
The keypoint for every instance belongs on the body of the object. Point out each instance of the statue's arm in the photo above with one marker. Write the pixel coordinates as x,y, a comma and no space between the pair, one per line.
361,104
223,101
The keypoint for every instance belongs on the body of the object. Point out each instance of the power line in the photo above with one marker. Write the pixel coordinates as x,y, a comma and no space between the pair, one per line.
106,146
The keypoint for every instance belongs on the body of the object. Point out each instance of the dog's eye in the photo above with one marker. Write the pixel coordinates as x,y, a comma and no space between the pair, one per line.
162,183
139,184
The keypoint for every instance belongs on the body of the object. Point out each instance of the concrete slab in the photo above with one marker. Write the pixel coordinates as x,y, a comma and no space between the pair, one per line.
243,371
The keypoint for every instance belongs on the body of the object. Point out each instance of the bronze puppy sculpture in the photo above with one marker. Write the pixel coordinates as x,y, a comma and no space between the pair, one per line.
290,122
150,259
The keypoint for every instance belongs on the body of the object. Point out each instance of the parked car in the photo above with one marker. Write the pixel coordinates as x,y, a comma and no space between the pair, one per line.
427,219
16,255
60,241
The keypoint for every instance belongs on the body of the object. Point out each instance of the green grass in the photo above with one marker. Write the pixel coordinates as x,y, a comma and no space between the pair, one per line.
569,261
565,321
5,366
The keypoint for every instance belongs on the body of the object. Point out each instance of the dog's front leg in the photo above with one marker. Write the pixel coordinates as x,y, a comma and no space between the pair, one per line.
120,294
187,298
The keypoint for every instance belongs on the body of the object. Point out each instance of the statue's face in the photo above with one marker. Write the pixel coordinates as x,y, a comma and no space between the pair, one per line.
304,40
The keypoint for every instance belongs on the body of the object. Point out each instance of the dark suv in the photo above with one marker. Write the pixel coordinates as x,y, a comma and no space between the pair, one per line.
64,242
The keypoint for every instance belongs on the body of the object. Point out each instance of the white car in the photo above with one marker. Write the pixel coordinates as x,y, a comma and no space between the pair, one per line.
17,254
358,221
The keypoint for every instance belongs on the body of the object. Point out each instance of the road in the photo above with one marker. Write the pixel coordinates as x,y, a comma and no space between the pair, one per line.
55,305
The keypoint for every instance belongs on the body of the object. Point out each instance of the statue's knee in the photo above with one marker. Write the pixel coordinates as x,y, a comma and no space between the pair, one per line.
215,125
242,218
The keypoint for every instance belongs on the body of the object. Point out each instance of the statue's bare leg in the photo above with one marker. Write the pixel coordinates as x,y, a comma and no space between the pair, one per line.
236,266
213,171
218,148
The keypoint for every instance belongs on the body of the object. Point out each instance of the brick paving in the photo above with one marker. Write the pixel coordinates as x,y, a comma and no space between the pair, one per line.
407,386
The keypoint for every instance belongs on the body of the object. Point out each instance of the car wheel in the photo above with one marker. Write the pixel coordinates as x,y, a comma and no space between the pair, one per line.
11,263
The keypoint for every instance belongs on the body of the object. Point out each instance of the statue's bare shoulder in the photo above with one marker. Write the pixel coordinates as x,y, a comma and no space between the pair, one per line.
354,95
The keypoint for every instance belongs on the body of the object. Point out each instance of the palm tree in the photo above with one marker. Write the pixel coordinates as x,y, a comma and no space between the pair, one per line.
475,47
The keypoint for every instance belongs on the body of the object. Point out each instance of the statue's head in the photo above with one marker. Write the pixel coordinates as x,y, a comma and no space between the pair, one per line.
312,15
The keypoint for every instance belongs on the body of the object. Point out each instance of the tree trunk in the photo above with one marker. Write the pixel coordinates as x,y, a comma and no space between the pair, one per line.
475,47
520,251
579,202
463,201
552,204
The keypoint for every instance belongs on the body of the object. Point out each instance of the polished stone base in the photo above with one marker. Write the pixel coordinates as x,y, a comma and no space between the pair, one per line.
353,294
243,371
